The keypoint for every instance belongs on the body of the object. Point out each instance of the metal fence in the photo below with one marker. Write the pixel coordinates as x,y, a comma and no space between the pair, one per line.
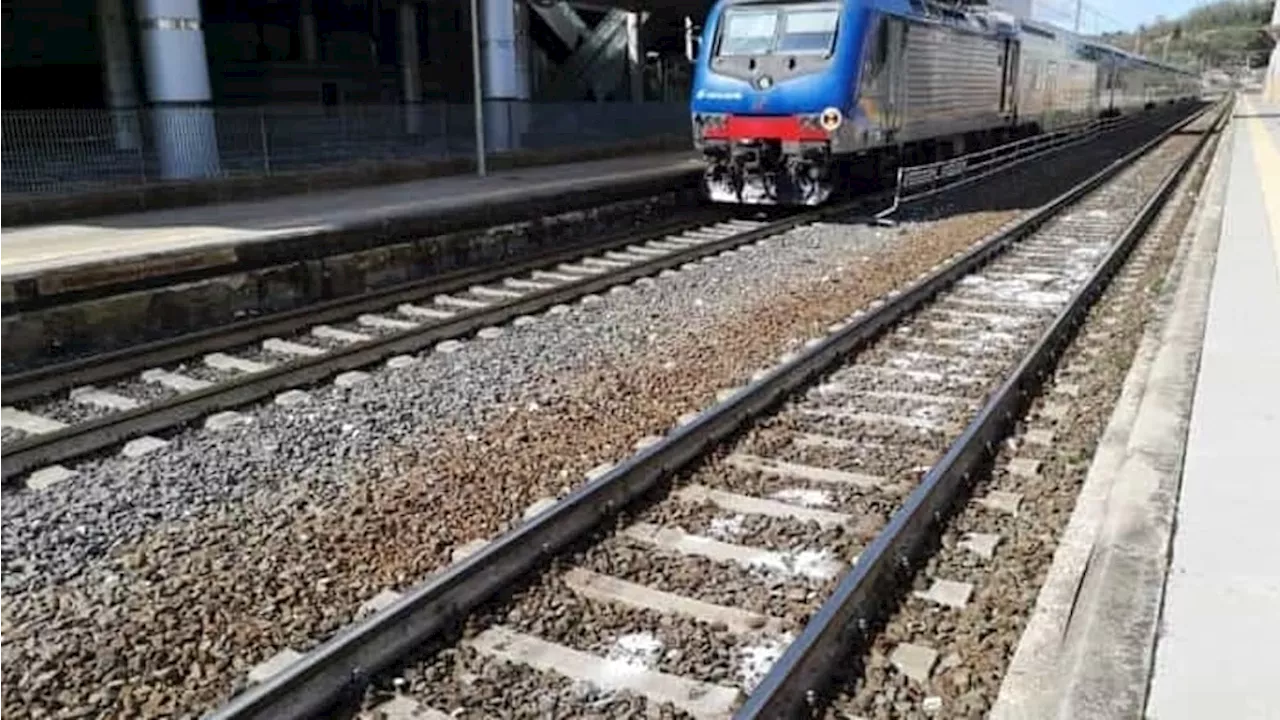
917,181
66,151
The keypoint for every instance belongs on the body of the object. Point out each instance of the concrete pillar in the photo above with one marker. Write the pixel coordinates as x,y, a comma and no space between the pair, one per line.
307,35
178,87
1271,88
504,49
635,58
410,67
117,63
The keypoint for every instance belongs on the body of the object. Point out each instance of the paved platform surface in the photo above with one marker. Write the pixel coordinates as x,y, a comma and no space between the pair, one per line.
29,251
1163,599
1220,629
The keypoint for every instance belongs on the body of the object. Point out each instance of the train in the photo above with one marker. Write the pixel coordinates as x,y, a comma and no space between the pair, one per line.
795,101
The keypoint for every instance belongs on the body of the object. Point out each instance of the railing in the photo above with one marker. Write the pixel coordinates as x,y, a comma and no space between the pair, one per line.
918,181
51,152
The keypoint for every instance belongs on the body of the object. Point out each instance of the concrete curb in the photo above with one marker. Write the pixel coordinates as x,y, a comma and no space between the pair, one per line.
1088,648
158,306
34,287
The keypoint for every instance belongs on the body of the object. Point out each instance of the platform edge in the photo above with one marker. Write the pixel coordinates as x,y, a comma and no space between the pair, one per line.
1088,648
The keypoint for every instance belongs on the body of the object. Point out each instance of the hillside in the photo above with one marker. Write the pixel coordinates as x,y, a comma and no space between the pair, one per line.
1226,34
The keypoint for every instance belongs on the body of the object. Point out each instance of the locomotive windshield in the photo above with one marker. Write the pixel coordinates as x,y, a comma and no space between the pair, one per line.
781,29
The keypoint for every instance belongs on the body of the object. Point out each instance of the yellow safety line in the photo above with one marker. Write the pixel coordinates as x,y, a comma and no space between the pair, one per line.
1267,160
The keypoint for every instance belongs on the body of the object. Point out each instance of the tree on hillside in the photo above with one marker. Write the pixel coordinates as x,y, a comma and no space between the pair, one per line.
1226,33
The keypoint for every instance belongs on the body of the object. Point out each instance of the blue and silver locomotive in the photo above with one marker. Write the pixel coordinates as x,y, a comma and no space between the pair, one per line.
795,100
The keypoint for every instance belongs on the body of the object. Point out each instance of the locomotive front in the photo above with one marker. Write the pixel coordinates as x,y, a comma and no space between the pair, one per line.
774,84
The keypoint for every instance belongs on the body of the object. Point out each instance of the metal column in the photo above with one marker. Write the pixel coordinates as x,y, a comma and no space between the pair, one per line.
505,50
635,58
177,74
117,63
477,97
410,67
1271,83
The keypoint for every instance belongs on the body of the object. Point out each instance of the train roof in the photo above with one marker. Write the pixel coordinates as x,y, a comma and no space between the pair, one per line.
991,22
1006,23
1131,56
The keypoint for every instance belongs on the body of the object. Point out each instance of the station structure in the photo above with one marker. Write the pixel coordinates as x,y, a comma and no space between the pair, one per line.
167,79
172,62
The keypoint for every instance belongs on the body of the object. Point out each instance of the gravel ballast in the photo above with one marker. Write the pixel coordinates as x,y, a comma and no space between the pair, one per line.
150,586
976,644
792,583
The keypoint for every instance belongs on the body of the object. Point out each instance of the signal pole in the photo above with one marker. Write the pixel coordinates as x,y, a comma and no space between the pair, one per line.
477,86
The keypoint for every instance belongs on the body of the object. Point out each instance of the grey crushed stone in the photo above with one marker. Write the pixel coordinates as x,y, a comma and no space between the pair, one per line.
52,536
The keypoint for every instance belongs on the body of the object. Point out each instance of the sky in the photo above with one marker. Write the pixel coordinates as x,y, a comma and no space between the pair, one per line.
1109,15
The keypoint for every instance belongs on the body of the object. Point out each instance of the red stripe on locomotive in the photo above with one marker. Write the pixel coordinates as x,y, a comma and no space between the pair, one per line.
755,127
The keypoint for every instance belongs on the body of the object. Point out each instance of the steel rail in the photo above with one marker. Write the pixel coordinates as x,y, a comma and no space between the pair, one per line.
343,665
19,387
83,438
845,620
46,380
49,379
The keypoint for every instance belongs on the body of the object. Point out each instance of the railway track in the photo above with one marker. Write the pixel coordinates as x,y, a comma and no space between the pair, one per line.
132,398
729,566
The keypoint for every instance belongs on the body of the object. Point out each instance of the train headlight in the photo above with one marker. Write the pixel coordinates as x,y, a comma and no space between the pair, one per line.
830,119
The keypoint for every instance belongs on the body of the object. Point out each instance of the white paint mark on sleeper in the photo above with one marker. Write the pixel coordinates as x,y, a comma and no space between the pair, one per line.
756,660
636,650
699,699
804,496
727,527
816,564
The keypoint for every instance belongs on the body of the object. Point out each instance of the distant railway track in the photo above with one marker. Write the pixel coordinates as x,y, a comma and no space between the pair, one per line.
832,491
197,376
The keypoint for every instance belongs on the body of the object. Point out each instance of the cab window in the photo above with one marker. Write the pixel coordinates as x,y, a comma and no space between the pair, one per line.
778,29
749,32
807,32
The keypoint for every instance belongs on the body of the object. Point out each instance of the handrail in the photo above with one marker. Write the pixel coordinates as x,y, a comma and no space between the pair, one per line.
919,181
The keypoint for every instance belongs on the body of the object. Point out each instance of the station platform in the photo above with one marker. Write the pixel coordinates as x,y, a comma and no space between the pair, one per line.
43,261
1220,626
1163,599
